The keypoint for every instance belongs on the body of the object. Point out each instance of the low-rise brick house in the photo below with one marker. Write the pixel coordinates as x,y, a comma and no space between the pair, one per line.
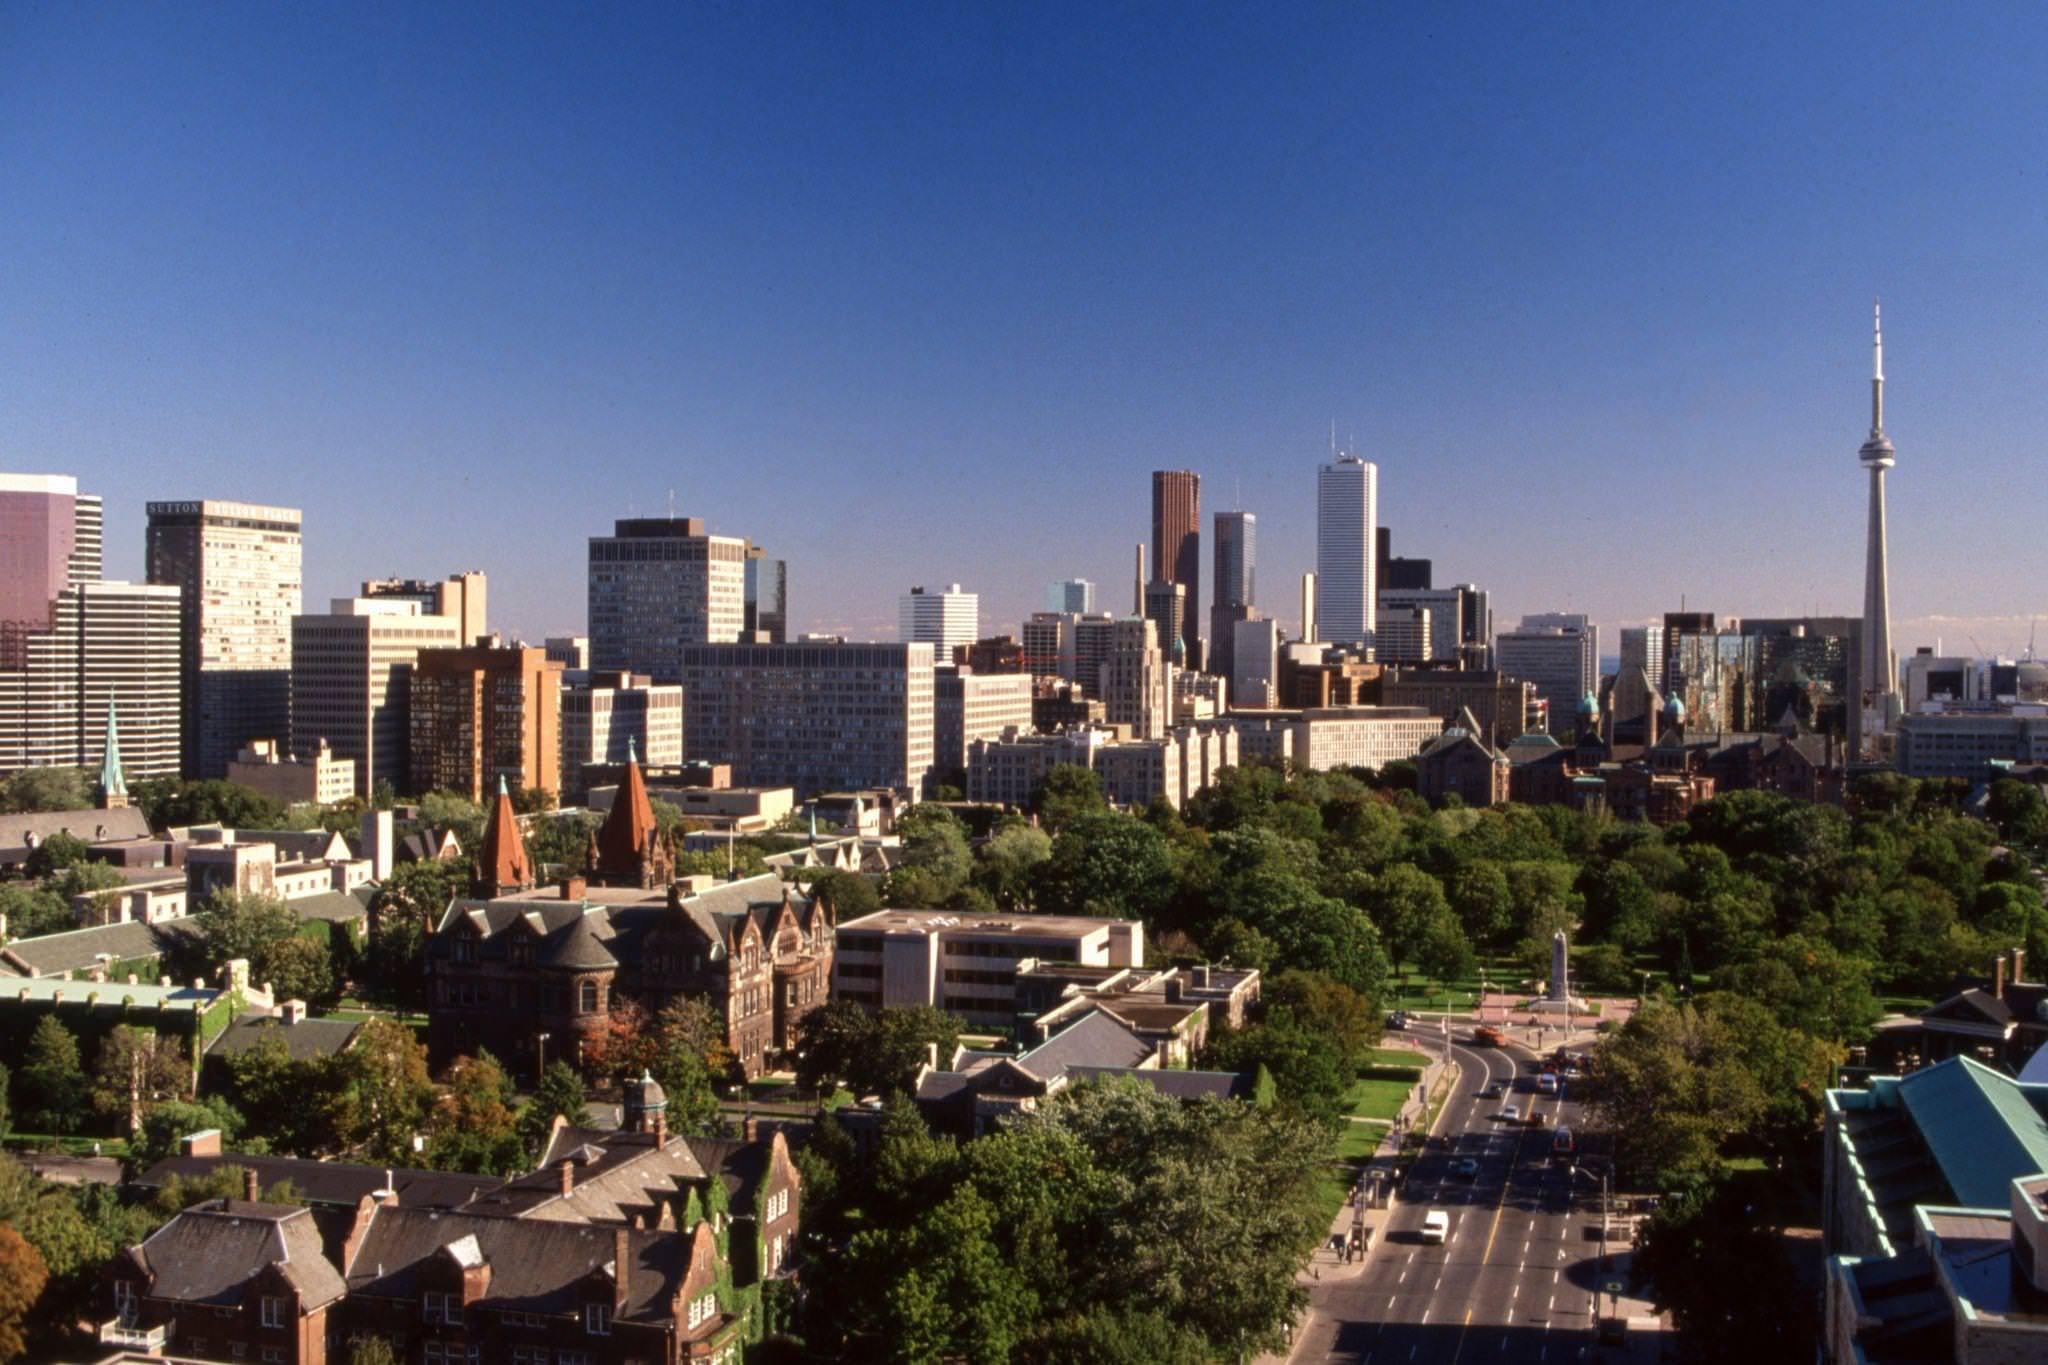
535,974
628,1246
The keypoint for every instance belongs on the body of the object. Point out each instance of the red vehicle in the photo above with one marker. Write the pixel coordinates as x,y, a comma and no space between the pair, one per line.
1488,1036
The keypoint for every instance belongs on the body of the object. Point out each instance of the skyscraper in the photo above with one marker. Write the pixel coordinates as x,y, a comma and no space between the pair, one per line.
1177,548
352,682
767,599
1076,595
1559,653
657,584
1166,607
49,540
1236,586
482,715
237,565
107,647
942,620
1347,510
1879,675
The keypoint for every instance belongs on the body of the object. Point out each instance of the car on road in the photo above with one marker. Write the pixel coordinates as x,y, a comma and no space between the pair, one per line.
1561,1141
1436,1226
1465,1168
1512,1113
1488,1036
1494,1090
1547,1083
1398,1019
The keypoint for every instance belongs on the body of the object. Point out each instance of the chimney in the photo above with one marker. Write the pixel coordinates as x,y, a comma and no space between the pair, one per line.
1998,986
206,1142
2019,965
622,1269
249,1186
568,1170
292,1012
574,888
750,1128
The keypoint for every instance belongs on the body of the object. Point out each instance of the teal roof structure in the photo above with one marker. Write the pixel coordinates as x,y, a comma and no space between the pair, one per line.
1983,1129
111,781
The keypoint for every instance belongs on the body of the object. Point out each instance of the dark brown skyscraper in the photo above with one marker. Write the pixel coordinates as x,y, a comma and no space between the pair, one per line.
1177,547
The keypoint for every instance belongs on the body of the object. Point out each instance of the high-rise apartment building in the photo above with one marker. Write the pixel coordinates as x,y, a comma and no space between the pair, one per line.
658,584
608,715
1557,652
482,715
1254,662
1093,638
766,613
1137,680
462,598
1177,551
819,716
1237,556
49,541
108,649
1076,595
1347,590
944,620
238,566
352,683
1404,635
1048,643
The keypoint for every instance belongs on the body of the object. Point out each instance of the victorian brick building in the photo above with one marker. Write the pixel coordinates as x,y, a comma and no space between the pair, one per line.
537,973
627,1246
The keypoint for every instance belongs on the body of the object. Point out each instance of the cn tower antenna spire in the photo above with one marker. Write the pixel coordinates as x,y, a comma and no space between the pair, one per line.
1876,367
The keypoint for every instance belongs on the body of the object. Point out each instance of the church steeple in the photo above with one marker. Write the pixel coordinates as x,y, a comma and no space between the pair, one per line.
113,788
502,862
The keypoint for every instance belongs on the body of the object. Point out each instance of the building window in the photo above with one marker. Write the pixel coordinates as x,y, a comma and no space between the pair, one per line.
238,1349
443,1307
572,1358
702,1309
465,950
597,1319
273,1311
125,1302
453,1353
274,1355
529,1355
590,997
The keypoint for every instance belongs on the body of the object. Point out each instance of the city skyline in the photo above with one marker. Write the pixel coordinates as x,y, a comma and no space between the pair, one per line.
1679,290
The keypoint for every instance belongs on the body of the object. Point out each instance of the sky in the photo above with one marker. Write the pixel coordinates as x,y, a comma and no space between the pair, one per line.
920,293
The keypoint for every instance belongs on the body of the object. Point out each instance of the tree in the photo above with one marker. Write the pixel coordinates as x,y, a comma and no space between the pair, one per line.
1008,860
1106,864
1068,792
298,968
55,853
1721,1271
236,925
1115,1336
368,1348
33,910
384,1091
138,1068
170,801
559,1093
936,860
22,1277
872,1053
165,1125
53,1086
690,1057
46,789
475,1128
454,811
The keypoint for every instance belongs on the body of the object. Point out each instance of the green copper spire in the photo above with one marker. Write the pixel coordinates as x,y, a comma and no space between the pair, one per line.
112,784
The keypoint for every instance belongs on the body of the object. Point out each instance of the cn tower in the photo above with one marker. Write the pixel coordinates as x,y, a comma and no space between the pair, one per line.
1877,456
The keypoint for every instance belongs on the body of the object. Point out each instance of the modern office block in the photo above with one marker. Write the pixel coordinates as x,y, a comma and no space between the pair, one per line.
352,683
1560,654
485,715
110,649
463,598
1177,552
946,620
658,584
969,706
1347,601
766,613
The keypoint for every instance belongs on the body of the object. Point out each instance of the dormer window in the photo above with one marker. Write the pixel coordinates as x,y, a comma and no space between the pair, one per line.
273,1310
465,950
597,1319
520,951
702,1309
441,1307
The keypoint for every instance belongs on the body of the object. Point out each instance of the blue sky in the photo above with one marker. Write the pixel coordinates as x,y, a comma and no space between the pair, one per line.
921,293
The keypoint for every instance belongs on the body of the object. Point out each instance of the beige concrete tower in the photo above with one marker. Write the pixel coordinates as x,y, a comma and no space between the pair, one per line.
1879,675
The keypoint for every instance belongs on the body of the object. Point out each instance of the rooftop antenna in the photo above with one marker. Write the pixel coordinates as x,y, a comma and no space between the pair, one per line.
1333,438
671,504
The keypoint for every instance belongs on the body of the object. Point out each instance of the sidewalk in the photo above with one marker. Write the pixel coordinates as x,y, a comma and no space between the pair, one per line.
1330,1265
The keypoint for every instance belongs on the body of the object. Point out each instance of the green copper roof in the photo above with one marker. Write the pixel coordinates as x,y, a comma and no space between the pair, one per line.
1983,1128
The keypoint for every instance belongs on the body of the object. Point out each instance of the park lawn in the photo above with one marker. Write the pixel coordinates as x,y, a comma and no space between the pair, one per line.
1396,1056
1360,1140
1374,1099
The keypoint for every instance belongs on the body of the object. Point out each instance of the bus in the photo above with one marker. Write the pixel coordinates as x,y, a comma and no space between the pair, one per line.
1488,1036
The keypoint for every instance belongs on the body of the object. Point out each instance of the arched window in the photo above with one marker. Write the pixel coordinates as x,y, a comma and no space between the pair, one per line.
590,997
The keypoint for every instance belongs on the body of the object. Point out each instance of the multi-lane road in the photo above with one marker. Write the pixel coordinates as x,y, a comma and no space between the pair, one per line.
1515,1279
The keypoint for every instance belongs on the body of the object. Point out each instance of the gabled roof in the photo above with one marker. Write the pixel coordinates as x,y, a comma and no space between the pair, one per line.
333,1184
93,826
614,923
1099,1039
1179,1085
1982,1128
304,1041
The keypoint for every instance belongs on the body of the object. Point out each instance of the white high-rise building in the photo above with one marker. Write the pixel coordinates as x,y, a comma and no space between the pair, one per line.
1137,680
605,716
1643,647
352,682
1347,515
942,620
1559,654
239,565
1880,670
110,648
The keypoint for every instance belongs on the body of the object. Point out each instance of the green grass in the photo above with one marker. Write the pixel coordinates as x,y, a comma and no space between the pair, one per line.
1395,1056
1377,1099
69,1144
1360,1141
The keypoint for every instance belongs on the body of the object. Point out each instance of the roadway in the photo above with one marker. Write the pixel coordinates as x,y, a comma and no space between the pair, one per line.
1515,1278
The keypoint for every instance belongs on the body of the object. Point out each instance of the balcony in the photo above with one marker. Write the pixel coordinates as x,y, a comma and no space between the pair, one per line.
133,1336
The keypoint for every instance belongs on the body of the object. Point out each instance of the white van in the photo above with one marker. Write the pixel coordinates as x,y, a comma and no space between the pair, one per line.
1436,1226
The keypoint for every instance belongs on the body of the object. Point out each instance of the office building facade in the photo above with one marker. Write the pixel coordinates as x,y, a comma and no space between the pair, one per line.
1076,595
1236,590
607,716
1166,607
945,620
1177,552
238,566
352,683
1643,647
1347,590
483,715
969,706
819,716
658,585
1392,571
765,618
463,598
1137,682
1557,652
50,540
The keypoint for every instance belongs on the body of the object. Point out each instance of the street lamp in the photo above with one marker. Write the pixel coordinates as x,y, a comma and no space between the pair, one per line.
540,1049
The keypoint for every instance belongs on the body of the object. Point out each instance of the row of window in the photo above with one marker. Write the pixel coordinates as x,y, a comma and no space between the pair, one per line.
237,1350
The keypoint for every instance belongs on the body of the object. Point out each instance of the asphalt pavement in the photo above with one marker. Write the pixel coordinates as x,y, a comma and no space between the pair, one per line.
1515,1279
